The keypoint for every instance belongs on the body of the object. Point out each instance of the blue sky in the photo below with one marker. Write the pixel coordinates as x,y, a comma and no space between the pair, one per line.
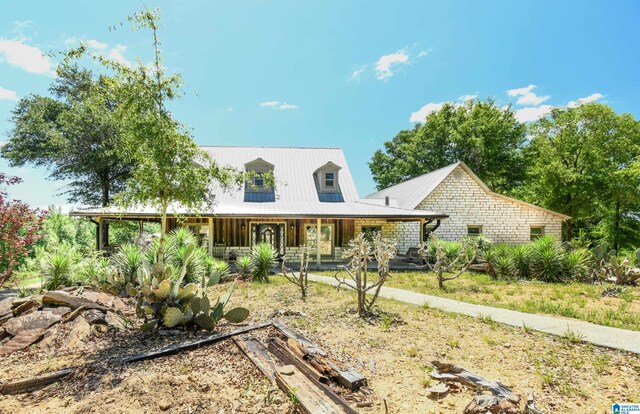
335,73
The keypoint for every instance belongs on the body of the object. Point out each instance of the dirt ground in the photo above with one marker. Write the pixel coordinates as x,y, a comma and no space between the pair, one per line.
393,351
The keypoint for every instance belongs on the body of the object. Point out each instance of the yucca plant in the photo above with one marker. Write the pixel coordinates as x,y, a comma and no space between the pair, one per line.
263,258
521,261
57,269
548,259
577,264
128,260
244,265
451,251
195,264
502,262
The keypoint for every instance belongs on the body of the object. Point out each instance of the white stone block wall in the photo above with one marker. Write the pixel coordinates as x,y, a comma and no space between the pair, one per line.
502,221
292,254
406,233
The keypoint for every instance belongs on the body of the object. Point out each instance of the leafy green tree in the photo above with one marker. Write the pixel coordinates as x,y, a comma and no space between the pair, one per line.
486,137
169,170
75,134
61,228
584,162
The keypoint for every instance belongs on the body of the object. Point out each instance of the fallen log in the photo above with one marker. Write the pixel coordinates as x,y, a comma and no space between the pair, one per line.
531,405
20,386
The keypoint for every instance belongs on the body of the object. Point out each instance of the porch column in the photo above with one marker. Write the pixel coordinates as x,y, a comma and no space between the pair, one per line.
421,231
210,236
318,228
99,220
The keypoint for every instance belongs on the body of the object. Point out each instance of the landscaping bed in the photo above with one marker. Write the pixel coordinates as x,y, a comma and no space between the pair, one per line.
571,300
394,352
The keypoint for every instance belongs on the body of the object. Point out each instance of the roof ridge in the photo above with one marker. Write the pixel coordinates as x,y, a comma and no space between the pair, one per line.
416,177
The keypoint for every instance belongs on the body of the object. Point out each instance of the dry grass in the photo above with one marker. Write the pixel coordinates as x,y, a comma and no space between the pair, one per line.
572,300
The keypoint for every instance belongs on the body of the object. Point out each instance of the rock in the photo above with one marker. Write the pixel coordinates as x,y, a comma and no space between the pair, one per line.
58,310
119,304
100,328
165,404
115,321
6,305
35,320
94,316
48,340
58,297
438,389
99,297
26,307
21,340
80,330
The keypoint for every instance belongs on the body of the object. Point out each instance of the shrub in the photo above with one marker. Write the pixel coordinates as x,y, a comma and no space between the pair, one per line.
548,260
128,260
263,258
577,264
57,270
521,261
244,265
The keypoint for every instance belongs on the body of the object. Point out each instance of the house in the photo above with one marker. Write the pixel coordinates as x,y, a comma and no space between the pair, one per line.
314,202
472,207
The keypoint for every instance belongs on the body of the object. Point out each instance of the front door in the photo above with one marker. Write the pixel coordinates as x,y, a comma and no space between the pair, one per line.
270,233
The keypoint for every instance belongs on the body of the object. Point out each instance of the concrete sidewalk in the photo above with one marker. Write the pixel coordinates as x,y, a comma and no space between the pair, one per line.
596,334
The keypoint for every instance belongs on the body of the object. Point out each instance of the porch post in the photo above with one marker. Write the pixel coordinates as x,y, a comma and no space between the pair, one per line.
421,231
99,220
210,236
318,228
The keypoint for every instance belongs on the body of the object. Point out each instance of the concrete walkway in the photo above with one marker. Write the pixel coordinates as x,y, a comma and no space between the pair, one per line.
596,334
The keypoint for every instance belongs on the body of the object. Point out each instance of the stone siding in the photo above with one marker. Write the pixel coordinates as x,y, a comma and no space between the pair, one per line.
406,233
502,221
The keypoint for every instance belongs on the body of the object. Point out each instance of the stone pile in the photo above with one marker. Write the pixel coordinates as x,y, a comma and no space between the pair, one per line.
61,318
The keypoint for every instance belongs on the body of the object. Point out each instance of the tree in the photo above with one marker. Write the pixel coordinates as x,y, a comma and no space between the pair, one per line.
584,162
20,229
169,170
486,137
75,134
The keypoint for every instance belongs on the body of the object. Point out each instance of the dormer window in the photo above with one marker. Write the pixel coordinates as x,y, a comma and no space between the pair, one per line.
329,179
256,189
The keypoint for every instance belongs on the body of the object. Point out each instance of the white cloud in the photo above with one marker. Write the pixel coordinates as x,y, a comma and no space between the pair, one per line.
527,96
465,98
95,44
355,75
387,65
26,57
278,105
532,113
116,54
532,99
71,41
423,53
7,94
230,109
421,114
587,99
520,91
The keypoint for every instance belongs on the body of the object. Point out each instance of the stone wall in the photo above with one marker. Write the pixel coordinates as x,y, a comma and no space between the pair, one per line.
502,221
406,233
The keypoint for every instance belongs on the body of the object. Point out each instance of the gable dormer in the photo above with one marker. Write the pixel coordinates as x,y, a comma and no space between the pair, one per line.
256,189
327,180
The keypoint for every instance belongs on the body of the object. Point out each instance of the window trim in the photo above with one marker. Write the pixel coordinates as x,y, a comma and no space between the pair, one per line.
474,226
259,175
536,236
327,179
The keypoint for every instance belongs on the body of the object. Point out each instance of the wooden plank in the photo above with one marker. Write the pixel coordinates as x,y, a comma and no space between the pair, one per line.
280,350
257,354
309,398
308,345
23,385
211,339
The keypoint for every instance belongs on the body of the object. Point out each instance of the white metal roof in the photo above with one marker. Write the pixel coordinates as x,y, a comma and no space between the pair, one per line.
296,192
409,194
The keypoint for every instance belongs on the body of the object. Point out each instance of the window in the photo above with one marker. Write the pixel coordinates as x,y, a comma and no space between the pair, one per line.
328,179
258,181
326,238
369,230
536,232
474,230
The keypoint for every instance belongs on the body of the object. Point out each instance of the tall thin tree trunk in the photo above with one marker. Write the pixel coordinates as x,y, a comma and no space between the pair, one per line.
105,203
616,228
163,227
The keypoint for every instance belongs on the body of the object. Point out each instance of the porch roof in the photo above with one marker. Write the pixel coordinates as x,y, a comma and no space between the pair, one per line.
348,209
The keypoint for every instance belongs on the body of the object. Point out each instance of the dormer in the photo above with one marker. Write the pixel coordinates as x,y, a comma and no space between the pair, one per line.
256,189
327,179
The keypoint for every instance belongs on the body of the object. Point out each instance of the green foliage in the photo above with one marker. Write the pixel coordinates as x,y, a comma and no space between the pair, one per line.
485,136
128,260
548,259
244,264
164,302
263,258
57,270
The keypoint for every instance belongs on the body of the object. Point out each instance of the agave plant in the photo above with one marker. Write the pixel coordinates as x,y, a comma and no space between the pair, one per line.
548,258
263,258
57,270
521,261
577,264
244,265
